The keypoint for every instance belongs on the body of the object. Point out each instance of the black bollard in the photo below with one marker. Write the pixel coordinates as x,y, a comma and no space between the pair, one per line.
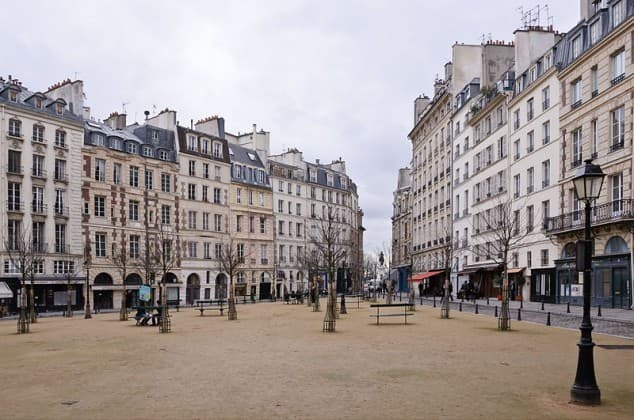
548,320
519,314
542,305
400,296
522,303
460,307
599,312
496,312
476,309
568,307
434,301
421,301
487,300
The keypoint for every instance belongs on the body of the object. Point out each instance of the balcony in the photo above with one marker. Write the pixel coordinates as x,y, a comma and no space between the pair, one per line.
545,183
529,189
516,156
575,163
61,177
38,173
546,140
61,211
618,79
595,93
39,247
465,212
611,212
576,104
545,105
61,248
15,170
38,208
15,206
529,149
616,146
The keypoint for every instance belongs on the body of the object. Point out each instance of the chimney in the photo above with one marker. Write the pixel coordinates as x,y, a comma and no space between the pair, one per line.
147,114
420,104
116,121
254,129
317,161
438,85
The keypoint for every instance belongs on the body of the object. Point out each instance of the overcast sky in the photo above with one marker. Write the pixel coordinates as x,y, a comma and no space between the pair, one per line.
332,78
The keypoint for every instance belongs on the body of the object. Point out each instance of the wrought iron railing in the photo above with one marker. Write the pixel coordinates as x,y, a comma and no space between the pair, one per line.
613,211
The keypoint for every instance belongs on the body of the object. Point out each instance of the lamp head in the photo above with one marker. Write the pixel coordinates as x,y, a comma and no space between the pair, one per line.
588,181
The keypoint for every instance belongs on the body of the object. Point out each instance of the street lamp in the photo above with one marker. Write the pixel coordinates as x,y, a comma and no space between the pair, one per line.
87,314
588,182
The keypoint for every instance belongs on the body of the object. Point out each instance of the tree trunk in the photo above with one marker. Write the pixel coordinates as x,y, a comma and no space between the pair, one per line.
232,314
32,316
165,325
123,313
444,309
504,319
69,301
23,321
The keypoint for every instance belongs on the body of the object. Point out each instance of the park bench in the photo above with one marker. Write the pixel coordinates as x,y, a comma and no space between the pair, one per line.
210,305
358,296
149,311
378,306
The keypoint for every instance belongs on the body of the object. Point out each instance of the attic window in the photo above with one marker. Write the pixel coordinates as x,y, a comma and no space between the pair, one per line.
38,103
13,96
155,135
59,108
163,155
230,151
251,156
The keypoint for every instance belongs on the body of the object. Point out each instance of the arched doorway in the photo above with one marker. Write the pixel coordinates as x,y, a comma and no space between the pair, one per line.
192,292
173,292
102,291
612,275
265,285
132,283
220,291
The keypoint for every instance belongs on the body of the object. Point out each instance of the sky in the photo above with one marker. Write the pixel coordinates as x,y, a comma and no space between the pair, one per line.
331,78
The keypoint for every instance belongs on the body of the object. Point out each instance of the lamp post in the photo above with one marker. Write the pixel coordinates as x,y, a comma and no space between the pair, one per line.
87,314
587,182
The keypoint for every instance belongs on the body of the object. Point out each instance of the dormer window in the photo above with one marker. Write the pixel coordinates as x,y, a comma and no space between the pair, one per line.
132,148
205,146
155,135
163,155
344,183
98,139
329,180
38,103
251,156
576,46
147,151
13,96
191,143
236,171
217,150
313,175
59,108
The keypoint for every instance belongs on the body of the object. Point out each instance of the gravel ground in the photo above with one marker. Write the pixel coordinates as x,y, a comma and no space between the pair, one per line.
275,362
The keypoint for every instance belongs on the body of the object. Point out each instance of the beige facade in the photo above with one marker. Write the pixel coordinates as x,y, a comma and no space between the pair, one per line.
402,222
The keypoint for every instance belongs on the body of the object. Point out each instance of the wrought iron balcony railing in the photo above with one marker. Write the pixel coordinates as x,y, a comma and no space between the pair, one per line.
612,212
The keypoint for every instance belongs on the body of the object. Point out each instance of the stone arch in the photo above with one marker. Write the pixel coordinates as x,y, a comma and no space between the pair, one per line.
569,250
133,279
192,291
103,279
616,245
221,286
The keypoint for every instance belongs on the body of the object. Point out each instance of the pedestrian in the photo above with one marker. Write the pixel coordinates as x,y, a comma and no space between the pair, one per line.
450,292
420,289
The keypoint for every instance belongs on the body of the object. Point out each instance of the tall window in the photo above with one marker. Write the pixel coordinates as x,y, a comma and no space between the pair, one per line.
38,166
38,133
530,109
134,246
13,235
618,12
545,98
617,192
205,221
60,201
192,168
100,244
60,238
149,179
545,209
37,205
617,62
217,150
576,46
192,216
594,80
546,132
191,191
116,173
618,128
546,173
530,218
100,206
14,196
60,170
240,252
516,149
262,224
134,176
530,141
575,93
530,178
100,170
516,186
575,205
15,128
165,215
577,150
218,222
595,32
165,183
60,138
133,207
594,137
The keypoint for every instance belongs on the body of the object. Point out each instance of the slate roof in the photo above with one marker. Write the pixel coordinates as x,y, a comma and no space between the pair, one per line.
25,101
241,156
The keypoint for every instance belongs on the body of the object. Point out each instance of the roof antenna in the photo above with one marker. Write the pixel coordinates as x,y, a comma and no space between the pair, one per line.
123,104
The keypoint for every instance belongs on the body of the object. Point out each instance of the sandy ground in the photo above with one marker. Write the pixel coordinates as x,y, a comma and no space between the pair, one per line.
275,362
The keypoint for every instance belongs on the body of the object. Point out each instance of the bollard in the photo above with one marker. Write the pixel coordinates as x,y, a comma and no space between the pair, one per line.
460,307
542,305
599,312
496,312
548,320
487,300
568,307
434,301
522,304
421,301
400,297
519,314
476,311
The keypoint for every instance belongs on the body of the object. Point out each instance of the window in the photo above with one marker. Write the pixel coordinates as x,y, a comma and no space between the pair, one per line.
116,143
298,230
618,128
236,171
38,166
545,173
238,195
100,170
165,215
134,176
516,119
192,216
218,222
575,92
163,155
14,196
100,206
133,148
280,206
577,147
38,133
617,62
239,223
206,170
264,253
298,209
15,127
617,193
546,132
133,207
60,138
217,195
192,248
544,257
217,150
207,253
240,252
191,191
545,209
205,221
594,81
205,196
37,203
530,177
250,197
191,143
59,108
618,12
576,46
217,251
134,246
251,224
60,238
545,98
205,147
262,224
530,141
575,205
530,109
192,168
530,218
594,139
149,179
298,188
63,267
516,186
155,135
516,149
13,96
165,182
60,201
100,244
595,32
116,173
280,228
98,139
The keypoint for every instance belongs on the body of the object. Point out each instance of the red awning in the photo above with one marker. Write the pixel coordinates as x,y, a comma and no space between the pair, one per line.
423,276
515,270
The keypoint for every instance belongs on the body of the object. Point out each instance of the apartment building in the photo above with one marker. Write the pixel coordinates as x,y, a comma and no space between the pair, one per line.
129,196
40,158
287,172
401,227
534,163
596,123
204,178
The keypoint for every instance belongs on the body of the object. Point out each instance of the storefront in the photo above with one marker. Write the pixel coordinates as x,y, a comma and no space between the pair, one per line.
544,284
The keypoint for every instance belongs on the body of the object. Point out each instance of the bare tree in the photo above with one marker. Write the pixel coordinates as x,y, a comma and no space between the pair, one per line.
309,261
166,256
501,231
329,241
25,258
121,260
232,259
71,268
446,257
